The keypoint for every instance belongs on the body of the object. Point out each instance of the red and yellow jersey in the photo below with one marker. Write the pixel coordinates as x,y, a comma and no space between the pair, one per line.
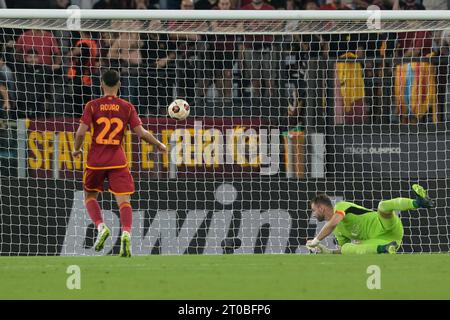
109,117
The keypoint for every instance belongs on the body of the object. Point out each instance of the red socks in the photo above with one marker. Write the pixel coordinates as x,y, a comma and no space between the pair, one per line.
94,210
126,216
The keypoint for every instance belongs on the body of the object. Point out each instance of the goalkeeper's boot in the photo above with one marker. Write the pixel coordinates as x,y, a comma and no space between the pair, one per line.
125,245
390,248
422,199
103,234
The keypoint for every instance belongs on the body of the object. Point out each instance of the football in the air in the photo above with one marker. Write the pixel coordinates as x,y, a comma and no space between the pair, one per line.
179,109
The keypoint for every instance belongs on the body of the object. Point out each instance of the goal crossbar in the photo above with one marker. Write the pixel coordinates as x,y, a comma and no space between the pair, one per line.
198,21
223,14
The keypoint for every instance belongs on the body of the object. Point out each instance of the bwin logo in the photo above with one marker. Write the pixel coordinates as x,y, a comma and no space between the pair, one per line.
186,231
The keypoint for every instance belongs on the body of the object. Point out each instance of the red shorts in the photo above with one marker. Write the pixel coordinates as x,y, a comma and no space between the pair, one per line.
120,180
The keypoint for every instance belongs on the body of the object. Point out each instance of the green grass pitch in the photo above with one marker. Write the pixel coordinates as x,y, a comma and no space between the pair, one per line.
286,277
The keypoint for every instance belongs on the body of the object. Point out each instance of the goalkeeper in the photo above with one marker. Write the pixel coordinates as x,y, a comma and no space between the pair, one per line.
363,231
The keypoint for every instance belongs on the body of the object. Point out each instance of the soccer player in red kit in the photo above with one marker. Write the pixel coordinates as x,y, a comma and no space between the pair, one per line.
109,116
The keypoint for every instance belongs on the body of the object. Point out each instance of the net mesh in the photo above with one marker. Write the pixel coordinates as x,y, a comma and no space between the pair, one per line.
245,26
280,111
264,26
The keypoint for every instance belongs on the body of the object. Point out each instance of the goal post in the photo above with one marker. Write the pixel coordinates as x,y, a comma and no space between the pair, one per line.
284,105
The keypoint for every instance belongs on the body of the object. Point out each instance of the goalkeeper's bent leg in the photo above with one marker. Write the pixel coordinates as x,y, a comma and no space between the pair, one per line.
372,246
397,204
360,248
387,218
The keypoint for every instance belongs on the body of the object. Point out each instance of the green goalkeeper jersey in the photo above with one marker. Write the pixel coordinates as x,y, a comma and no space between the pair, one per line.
359,223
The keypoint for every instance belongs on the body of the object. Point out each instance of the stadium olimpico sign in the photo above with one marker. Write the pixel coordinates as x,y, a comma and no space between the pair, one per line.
407,155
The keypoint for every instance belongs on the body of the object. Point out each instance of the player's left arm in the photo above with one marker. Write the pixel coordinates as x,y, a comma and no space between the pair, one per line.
136,125
79,138
148,137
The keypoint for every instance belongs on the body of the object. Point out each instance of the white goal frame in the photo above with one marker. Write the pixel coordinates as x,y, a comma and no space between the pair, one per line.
387,15
364,19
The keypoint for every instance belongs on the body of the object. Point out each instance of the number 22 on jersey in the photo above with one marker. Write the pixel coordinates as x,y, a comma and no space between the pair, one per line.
101,138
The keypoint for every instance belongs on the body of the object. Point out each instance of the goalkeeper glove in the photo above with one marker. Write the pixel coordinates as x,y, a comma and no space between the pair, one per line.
323,249
320,249
312,243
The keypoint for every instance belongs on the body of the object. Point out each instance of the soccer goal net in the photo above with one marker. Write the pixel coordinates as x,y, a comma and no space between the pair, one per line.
284,105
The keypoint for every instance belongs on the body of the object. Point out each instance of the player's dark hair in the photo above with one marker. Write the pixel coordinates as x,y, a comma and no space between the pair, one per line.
322,199
111,77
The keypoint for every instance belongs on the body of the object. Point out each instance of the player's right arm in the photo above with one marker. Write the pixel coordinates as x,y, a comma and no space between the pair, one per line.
148,137
85,124
79,138
341,240
329,227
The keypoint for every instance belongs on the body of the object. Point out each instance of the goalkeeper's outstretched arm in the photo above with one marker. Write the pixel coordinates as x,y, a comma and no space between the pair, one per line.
326,230
329,227
322,210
